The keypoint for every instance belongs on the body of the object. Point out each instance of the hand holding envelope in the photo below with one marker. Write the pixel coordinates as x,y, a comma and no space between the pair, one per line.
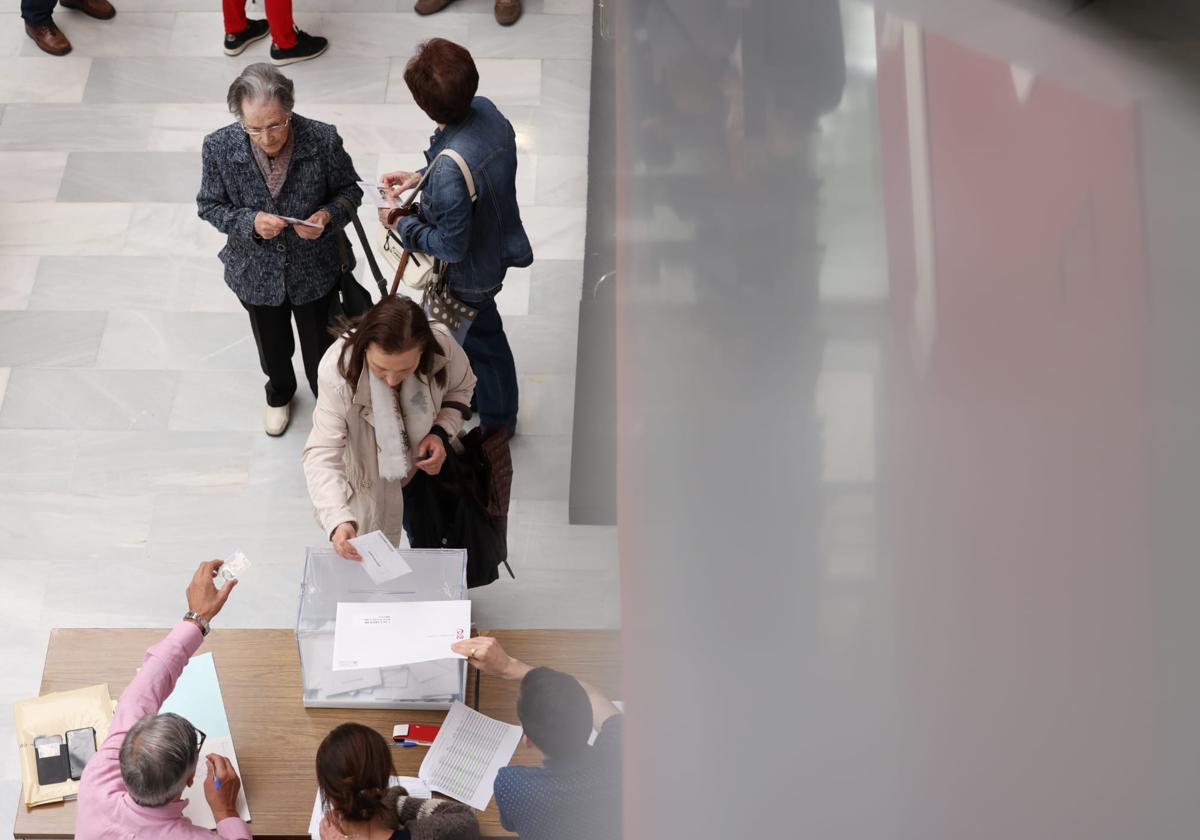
384,635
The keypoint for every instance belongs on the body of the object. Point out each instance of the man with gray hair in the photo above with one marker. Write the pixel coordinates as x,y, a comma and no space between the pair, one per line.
131,786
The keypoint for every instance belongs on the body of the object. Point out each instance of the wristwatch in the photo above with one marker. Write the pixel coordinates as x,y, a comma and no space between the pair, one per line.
199,619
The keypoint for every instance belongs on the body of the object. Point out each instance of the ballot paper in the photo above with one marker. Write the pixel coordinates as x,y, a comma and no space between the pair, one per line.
382,635
197,809
235,566
377,194
415,787
304,222
466,755
380,559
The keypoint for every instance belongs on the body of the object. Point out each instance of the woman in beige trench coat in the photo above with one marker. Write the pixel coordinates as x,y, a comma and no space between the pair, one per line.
358,456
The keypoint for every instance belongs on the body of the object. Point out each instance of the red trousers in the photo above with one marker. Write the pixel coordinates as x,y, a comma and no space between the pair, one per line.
279,16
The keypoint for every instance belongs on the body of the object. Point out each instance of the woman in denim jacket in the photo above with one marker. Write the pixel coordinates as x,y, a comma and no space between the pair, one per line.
478,241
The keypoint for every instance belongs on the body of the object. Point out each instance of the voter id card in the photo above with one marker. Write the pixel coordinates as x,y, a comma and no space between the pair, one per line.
233,567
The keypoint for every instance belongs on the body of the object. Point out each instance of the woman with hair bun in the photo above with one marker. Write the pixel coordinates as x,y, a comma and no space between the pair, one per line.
354,768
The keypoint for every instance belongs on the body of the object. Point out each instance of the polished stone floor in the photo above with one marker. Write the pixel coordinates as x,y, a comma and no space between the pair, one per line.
130,395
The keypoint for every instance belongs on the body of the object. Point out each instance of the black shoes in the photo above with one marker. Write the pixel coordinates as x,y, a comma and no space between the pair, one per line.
307,46
255,30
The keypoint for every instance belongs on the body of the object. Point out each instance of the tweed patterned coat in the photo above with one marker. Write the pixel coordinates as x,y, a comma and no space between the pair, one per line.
233,191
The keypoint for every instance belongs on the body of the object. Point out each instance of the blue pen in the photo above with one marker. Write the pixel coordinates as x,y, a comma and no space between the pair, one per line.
407,744
217,782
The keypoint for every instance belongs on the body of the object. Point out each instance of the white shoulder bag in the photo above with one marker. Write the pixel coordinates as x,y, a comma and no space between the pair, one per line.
416,269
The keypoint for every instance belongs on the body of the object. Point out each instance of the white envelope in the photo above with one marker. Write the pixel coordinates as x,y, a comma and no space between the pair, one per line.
382,635
380,559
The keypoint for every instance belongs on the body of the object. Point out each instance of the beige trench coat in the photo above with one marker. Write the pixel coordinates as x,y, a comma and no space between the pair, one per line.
340,457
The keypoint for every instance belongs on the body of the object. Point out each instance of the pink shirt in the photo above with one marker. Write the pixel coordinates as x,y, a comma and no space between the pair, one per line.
105,811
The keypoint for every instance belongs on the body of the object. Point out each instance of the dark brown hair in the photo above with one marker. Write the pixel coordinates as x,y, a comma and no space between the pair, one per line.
555,712
442,79
396,324
353,768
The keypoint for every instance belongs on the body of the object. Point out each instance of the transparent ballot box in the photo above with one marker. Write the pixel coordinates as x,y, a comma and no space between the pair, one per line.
437,575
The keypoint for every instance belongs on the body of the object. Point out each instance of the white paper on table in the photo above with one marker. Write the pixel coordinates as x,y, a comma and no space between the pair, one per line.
381,635
466,755
197,809
380,559
415,787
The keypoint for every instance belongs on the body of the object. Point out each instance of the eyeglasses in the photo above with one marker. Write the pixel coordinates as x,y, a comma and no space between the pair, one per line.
200,736
258,132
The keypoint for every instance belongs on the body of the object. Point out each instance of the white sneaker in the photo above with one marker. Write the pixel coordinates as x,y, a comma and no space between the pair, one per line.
275,419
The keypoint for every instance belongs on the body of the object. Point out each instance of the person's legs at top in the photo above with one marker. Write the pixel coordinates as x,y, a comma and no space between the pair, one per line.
290,44
39,25
240,31
491,358
272,327
312,325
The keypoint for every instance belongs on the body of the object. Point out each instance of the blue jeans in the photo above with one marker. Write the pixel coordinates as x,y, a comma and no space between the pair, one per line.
492,360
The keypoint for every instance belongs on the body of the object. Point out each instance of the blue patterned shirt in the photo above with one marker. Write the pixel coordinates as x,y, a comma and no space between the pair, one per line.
575,799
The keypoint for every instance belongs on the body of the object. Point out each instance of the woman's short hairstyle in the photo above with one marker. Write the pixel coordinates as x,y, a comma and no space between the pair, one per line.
442,79
260,83
396,324
555,712
354,765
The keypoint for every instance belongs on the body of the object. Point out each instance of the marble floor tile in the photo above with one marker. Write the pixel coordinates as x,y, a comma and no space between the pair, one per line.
541,466
115,282
153,597
567,7
50,339
561,181
36,460
212,295
547,402
172,230
74,398
543,131
4,374
136,340
513,299
351,6
46,228
182,128
344,78
159,79
540,537
43,78
31,176
135,34
557,233
131,176
566,86
275,461
227,401
505,81
64,525
555,288
12,33
218,524
537,343
135,463
62,127
370,129
535,36
16,281
566,598
382,35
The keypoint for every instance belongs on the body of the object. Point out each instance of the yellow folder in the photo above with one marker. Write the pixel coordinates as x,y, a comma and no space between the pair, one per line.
56,714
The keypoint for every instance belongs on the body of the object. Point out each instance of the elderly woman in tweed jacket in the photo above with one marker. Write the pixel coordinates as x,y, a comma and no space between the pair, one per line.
271,164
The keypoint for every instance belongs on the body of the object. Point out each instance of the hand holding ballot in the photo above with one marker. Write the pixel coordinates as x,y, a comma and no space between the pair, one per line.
341,537
486,654
203,597
400,181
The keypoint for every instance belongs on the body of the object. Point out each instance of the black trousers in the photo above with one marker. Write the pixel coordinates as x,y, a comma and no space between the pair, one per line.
272,326
37,12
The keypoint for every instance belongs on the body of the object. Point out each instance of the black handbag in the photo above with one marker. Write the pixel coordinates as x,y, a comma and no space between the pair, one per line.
352,299
450,510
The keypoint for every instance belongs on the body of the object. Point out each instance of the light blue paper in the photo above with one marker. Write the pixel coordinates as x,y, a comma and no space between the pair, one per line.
197,697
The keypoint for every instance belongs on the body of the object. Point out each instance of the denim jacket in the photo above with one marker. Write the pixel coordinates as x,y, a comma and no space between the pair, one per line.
479,243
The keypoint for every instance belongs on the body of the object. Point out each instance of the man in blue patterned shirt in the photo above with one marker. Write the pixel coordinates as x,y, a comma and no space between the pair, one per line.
576,793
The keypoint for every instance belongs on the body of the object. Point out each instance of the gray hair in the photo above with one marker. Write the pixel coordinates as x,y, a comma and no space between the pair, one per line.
260,83
157,756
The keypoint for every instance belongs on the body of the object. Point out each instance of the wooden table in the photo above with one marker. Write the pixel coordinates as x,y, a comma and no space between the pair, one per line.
276,736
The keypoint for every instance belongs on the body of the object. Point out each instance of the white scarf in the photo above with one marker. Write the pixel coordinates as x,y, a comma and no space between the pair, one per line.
390,437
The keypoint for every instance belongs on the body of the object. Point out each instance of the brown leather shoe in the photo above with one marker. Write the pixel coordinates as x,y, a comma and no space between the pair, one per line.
508,13
99,9
49,38
428,7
